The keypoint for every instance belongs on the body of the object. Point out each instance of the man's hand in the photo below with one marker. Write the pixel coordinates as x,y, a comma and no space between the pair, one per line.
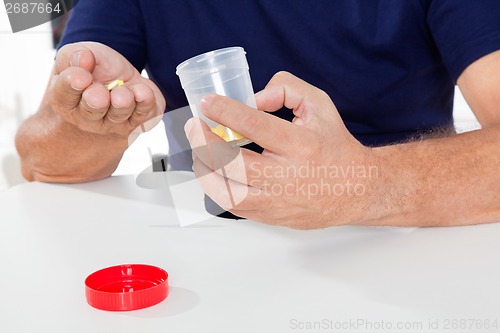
78,94
313,173
81,129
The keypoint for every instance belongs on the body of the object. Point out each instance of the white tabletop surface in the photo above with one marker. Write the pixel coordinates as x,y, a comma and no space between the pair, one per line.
234,276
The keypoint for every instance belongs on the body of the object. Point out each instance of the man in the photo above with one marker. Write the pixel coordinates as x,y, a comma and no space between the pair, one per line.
386,69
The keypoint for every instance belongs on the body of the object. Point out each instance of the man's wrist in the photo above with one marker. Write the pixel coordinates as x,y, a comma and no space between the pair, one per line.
390,194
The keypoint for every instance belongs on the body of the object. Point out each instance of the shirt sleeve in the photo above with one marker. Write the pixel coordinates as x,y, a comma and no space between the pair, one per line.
118,24
464,31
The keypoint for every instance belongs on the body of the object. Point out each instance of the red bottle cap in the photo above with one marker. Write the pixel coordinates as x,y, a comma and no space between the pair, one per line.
126,287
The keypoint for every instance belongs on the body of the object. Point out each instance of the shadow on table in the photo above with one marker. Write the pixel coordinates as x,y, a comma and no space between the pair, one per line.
178,191
126,187
184,300
430,269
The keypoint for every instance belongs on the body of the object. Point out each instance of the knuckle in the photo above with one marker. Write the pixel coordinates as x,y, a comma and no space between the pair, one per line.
282,76
116,119
91,114
143,94
323,95
143,114
147,106
121,112
142,109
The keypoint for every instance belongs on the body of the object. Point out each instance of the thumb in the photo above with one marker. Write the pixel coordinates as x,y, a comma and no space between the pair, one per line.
75,55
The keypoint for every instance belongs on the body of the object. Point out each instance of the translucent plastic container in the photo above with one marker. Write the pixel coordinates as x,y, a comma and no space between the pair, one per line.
223,72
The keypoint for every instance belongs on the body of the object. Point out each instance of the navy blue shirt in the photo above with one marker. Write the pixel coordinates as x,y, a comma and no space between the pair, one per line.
390,66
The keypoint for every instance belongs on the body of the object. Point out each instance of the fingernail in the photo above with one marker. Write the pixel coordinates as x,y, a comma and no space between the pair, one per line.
206,101
75,59
188,127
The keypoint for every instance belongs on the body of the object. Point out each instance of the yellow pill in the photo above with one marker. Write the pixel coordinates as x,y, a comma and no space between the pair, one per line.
236,135
220,131
226,133
114,84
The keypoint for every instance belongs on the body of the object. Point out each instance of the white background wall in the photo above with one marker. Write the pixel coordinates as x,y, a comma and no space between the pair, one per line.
25,62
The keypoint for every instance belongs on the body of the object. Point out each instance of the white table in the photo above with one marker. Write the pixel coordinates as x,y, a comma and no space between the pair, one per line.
229,276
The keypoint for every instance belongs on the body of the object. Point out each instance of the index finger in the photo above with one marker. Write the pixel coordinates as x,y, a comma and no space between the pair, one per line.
66,89
268,131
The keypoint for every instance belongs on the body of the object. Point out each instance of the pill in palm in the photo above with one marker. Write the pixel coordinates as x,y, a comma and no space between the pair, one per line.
114,84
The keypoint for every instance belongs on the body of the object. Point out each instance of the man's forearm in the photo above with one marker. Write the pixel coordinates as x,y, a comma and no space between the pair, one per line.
441,182
53,150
